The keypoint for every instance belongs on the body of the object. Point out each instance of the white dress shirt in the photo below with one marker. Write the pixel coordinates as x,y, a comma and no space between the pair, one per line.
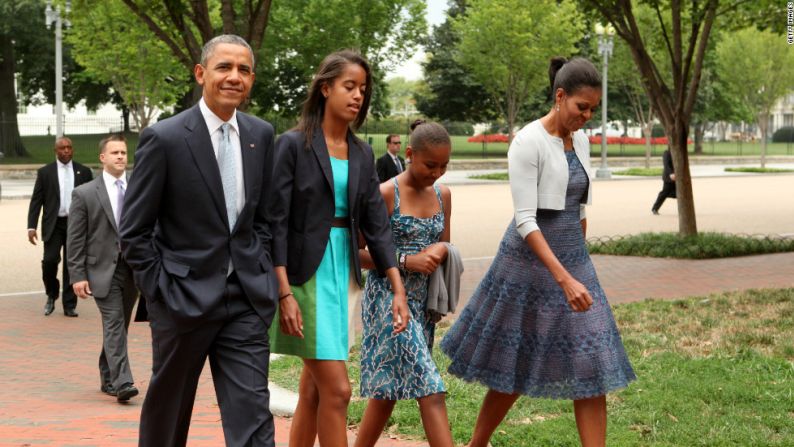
65,186
214,126
113,191
538,173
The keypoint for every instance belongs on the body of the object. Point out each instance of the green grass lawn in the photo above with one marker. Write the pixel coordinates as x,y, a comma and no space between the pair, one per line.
644,172
715,370
759,170
503,176
40,148
86,148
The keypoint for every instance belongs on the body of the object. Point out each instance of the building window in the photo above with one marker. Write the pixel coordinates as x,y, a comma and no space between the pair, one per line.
788,119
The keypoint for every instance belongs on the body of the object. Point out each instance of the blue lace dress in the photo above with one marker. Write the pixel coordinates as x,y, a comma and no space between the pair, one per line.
518,334
400,366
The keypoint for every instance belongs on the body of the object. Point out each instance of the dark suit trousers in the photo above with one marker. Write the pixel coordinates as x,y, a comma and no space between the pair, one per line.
668,190
238,349
116,311
49,266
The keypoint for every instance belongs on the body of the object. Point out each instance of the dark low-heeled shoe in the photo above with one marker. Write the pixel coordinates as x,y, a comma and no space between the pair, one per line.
126,392
50,306
70,313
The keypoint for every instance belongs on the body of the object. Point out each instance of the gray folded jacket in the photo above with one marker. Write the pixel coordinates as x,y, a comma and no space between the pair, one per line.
444,285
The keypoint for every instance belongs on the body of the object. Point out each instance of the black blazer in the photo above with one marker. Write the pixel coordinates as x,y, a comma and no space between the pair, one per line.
174,229
386,167
303,205
47,194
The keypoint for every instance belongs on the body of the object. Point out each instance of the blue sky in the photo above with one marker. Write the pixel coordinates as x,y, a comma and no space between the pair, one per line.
411,69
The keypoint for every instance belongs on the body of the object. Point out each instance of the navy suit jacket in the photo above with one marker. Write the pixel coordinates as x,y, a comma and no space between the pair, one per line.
47,195
303,205
174,228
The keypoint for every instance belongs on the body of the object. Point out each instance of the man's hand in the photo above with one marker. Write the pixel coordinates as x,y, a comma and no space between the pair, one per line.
82,289
32,236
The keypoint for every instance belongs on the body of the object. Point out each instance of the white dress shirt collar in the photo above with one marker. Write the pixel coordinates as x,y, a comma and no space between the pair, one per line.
213,121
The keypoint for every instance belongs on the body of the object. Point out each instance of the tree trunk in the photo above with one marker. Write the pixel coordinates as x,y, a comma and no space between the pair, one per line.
125,117
700,129
763,126
677,134
647,130
10,141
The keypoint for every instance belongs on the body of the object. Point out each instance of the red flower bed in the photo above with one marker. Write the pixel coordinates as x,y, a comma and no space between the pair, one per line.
488,138
630,140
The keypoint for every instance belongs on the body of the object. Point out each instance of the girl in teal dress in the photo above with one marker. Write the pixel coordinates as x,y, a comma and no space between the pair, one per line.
400,366
326,192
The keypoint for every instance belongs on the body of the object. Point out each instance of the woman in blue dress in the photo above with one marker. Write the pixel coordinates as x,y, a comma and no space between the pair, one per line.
326,190
539,323
400,366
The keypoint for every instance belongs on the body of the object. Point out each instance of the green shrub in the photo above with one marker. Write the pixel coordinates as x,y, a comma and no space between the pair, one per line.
701,246
784,135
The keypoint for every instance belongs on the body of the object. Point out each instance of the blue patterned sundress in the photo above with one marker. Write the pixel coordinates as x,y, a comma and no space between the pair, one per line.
400,366
518,334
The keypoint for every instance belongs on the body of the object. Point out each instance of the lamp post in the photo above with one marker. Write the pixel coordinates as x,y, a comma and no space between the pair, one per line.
54,16
605,34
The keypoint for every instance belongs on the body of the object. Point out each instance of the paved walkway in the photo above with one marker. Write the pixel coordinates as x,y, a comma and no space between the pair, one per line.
48,379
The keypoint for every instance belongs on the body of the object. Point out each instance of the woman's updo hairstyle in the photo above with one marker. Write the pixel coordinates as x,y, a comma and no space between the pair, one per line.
425,135
571,75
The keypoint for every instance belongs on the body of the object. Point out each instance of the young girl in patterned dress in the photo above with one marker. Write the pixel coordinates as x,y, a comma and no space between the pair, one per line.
539,323
400,366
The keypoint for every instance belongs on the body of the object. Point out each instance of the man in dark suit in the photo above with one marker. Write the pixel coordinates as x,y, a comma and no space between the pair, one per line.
668,185
53,192
390,164
194,231
96,267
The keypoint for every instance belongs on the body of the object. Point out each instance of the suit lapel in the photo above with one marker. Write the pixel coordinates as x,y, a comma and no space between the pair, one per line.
354,160
248,152
55,185
200,145
104,200
321,152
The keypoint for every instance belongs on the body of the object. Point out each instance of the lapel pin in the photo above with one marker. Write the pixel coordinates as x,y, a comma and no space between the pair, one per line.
251,145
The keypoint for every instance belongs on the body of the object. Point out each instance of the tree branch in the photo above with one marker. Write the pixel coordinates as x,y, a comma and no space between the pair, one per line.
711,13
229,17
183,57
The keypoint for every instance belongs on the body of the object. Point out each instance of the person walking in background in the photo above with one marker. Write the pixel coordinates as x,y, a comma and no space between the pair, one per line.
53,192
96,266
397,367
325,192
539,323
390,164
194,230
668,182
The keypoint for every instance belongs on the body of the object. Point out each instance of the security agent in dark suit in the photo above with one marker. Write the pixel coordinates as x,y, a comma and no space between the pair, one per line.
195,233
96,267
668,185
53,192
390,164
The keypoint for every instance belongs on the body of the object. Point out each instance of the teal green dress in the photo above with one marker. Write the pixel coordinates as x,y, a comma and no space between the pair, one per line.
323,299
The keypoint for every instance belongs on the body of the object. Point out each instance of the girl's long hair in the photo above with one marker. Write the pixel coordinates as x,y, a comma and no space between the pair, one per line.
331,68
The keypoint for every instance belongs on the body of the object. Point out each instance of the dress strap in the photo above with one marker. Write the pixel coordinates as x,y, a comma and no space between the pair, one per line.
438,195
396,197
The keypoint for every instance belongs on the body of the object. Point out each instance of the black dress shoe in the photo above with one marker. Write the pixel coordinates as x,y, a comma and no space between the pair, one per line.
69,312
126,391
108,389
50,306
